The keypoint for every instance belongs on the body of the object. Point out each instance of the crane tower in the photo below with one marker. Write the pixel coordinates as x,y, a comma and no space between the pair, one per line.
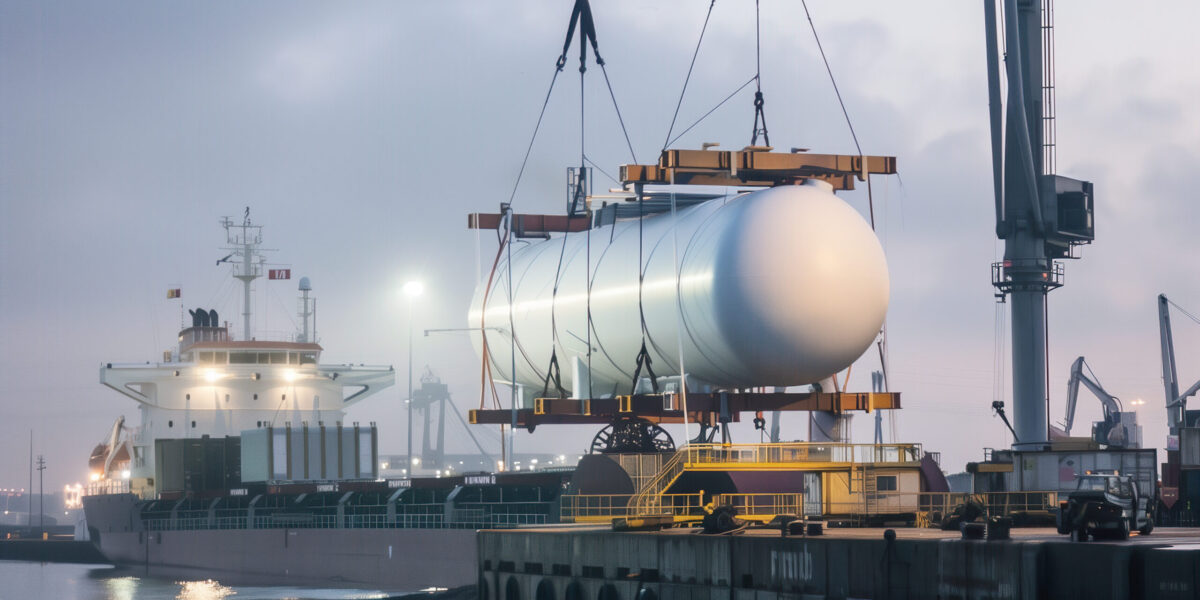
1040,216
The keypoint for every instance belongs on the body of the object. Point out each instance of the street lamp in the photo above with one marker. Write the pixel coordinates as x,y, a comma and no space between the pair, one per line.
412,289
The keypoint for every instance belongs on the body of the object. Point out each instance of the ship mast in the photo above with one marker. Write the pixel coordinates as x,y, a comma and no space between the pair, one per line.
243,241
307,310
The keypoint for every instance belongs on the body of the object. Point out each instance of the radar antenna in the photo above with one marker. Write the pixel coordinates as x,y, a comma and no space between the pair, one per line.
244,240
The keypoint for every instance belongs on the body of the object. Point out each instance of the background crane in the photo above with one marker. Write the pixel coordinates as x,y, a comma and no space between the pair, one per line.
1118,429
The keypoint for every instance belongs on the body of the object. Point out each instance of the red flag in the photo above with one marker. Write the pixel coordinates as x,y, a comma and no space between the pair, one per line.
279,274
174,293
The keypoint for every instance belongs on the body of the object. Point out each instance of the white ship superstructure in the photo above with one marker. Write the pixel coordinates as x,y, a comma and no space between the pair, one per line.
216,384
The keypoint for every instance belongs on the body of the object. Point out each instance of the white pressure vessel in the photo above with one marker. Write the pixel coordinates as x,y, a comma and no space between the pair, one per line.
777,287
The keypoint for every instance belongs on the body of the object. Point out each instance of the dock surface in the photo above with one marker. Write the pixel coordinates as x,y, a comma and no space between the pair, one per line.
569,561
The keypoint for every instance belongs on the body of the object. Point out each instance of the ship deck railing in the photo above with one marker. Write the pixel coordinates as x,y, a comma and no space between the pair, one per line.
319,521
103,487
796,454
921,509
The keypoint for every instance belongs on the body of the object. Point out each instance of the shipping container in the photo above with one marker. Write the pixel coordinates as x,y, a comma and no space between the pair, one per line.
1058,470
283,454
197,464
1189,447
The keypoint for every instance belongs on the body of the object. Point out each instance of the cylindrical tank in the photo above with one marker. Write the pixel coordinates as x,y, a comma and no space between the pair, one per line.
777,287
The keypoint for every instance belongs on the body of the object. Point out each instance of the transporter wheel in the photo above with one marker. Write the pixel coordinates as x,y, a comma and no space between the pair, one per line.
1079,535
1147,528
630,435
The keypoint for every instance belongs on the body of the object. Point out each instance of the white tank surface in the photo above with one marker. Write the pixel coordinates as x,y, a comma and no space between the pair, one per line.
777,287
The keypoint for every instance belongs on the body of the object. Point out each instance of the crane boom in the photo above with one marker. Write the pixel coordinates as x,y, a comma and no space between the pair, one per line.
1111,404
1176,402
1170,375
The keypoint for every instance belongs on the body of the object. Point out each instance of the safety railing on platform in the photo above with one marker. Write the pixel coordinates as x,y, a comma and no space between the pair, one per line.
931,509
604,507
769,457
917,508
775,455
585,508
761,506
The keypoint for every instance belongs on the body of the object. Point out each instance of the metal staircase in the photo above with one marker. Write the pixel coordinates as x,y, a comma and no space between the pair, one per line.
648,499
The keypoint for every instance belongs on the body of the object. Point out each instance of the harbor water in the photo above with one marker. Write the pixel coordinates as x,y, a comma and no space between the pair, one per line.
21,580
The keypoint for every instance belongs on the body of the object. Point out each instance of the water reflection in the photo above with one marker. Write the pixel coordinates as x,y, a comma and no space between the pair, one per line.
121,588
203,590
89,582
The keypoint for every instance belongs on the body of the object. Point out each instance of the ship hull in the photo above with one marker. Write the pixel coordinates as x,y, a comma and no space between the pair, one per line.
392,559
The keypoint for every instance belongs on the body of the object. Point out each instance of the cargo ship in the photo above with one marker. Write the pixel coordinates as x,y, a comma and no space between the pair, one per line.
243,465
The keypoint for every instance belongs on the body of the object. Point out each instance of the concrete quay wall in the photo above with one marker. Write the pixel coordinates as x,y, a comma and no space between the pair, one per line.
554,564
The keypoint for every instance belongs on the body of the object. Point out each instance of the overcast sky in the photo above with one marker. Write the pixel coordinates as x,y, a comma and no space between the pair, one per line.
361,134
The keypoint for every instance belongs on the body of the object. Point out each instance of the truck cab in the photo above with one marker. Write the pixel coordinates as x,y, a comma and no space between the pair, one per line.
1104,505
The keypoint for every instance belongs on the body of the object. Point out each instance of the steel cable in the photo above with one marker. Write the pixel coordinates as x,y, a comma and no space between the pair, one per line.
682,92
713,109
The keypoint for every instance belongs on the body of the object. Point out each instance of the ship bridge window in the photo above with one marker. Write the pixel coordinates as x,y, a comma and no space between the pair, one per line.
278,358
213,358
308,358
885,483
293,358
243,358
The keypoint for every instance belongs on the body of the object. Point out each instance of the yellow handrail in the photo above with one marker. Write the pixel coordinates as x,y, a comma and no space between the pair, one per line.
700,456
801,452
645,498
929,508
681,507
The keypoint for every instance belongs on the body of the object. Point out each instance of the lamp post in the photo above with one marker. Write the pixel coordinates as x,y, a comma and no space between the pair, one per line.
41,467
412,289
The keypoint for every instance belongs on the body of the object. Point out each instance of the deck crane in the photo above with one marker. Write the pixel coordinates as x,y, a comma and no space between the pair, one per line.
1115,430
1176,402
